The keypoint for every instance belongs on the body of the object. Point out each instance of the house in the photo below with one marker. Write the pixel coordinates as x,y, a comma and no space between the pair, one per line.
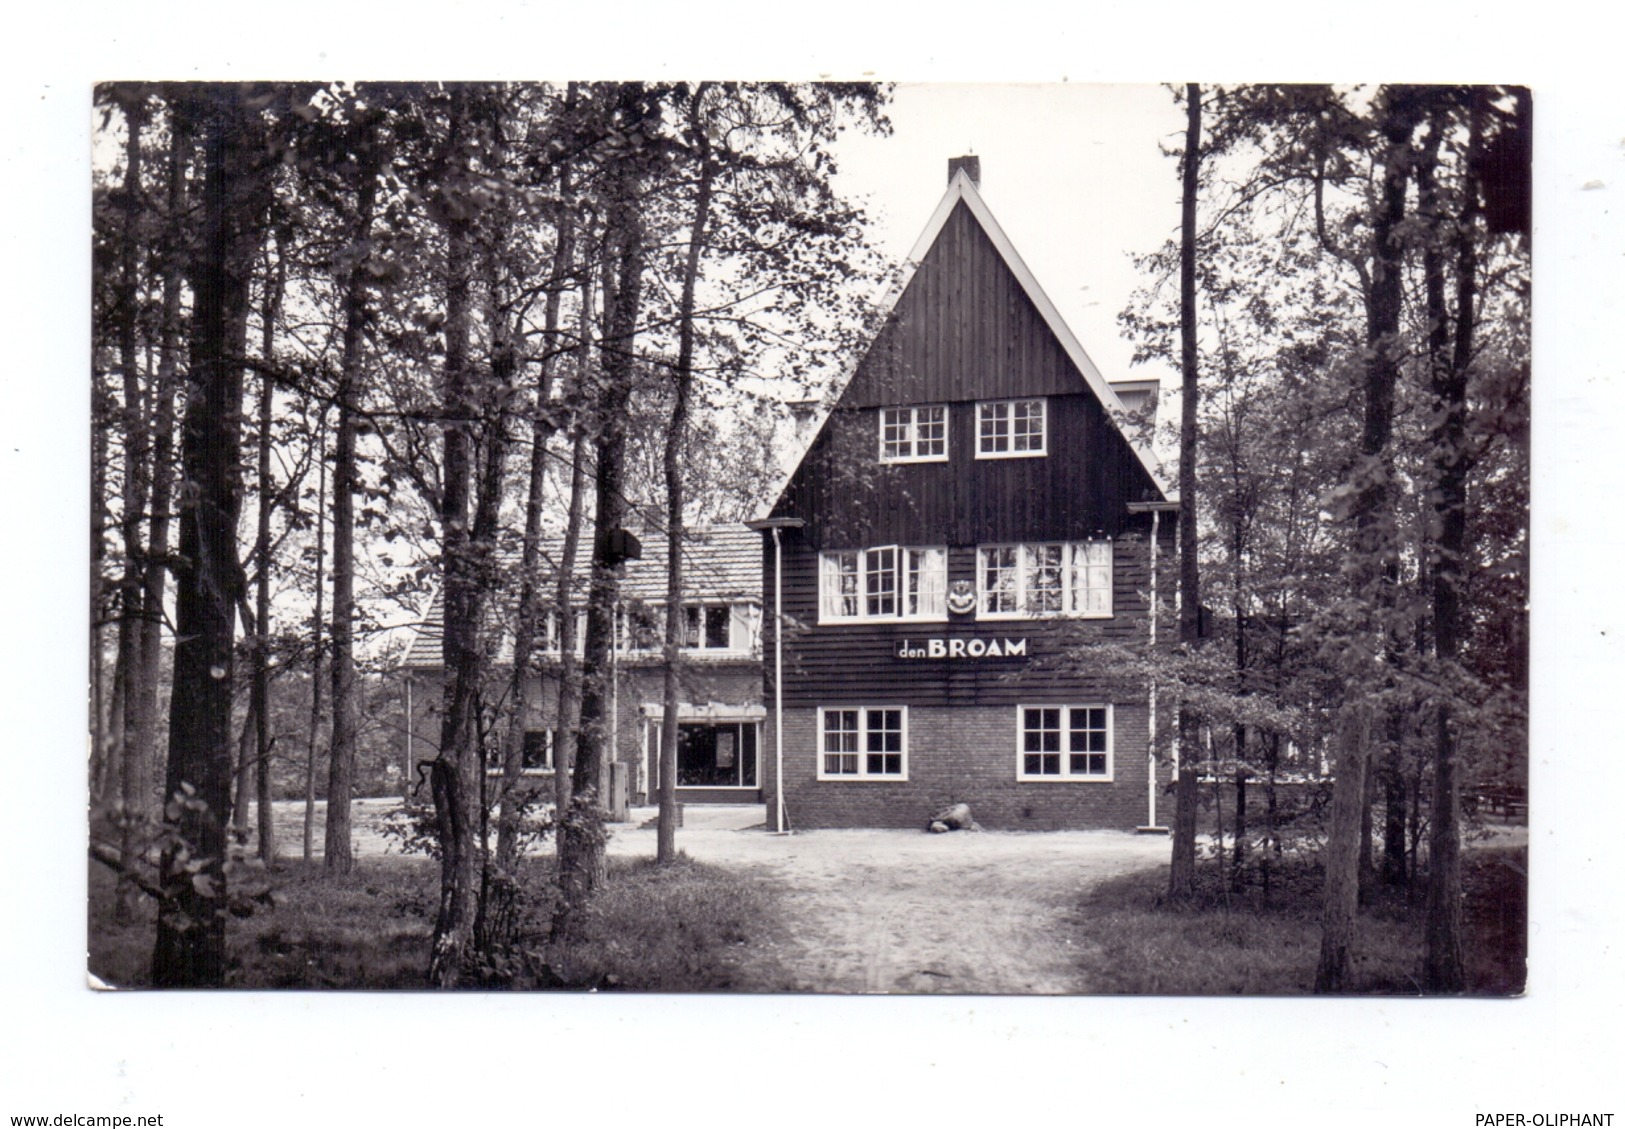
977,509
720,739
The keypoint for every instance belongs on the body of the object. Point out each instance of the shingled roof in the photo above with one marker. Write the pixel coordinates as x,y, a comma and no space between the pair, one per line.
720,563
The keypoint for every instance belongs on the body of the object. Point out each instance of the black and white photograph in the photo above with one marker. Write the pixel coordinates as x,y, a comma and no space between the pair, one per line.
842,565
546,536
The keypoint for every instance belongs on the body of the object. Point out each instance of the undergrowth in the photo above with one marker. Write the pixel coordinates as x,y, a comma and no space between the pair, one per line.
1224,943
687,927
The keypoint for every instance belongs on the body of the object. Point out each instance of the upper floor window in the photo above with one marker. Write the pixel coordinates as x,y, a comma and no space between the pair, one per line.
1010,429
914,435
707,627
890,582
1052,578
642,628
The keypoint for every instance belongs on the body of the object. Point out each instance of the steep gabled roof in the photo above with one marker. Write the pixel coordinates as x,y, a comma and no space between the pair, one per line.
720,563
961,189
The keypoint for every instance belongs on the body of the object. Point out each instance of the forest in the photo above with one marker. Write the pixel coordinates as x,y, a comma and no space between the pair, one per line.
357,343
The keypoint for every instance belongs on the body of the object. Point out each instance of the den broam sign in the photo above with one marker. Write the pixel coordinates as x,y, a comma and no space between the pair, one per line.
962,649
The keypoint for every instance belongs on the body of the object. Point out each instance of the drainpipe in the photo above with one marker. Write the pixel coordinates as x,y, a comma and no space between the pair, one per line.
780,825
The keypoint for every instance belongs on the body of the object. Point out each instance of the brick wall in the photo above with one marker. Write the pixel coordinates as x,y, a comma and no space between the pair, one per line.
969,755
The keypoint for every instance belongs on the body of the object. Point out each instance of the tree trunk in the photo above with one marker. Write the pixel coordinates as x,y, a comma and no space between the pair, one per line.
1370,566
190,949
1238,854
623,283
543,425
1393,804
1342,892
261,704
244,780
1443,968
1182,864
100,412
1272,838
337,845
455,773
132,770
156,574
676,438
573,884
314,733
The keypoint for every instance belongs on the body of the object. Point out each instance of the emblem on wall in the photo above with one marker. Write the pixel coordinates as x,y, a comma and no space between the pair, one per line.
961,597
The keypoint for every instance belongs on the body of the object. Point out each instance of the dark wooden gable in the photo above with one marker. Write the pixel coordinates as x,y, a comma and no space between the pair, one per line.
963,330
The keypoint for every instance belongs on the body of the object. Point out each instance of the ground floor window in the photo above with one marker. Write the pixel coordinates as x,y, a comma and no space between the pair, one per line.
712,756
536,754
1064,742
859,742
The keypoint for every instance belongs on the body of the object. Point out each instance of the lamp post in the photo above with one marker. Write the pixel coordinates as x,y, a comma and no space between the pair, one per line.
776,524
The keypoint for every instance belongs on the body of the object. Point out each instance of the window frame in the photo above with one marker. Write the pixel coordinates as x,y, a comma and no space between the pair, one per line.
862,752
985,406
1064,751
911,429
910,583
1074,587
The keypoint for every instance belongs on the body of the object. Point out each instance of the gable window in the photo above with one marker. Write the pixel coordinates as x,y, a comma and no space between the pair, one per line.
863,742
914,435
1045,579
889,582
1064,742
1010,429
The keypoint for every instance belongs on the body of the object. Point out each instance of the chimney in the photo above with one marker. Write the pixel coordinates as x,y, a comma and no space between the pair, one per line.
971,165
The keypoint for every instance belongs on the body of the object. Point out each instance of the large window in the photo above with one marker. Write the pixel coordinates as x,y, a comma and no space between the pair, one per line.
1010,429
1072,578
914,435
710,755
1064,742
890,582
863,742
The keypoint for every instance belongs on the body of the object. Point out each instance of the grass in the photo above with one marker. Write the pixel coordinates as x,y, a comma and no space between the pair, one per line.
1227,944
683,928
689,927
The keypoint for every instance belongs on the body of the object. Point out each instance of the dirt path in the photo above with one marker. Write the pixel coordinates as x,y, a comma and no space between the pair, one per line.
902,911
883,911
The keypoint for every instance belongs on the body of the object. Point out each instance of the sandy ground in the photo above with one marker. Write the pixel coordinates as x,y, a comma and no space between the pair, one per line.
881,911
904,911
